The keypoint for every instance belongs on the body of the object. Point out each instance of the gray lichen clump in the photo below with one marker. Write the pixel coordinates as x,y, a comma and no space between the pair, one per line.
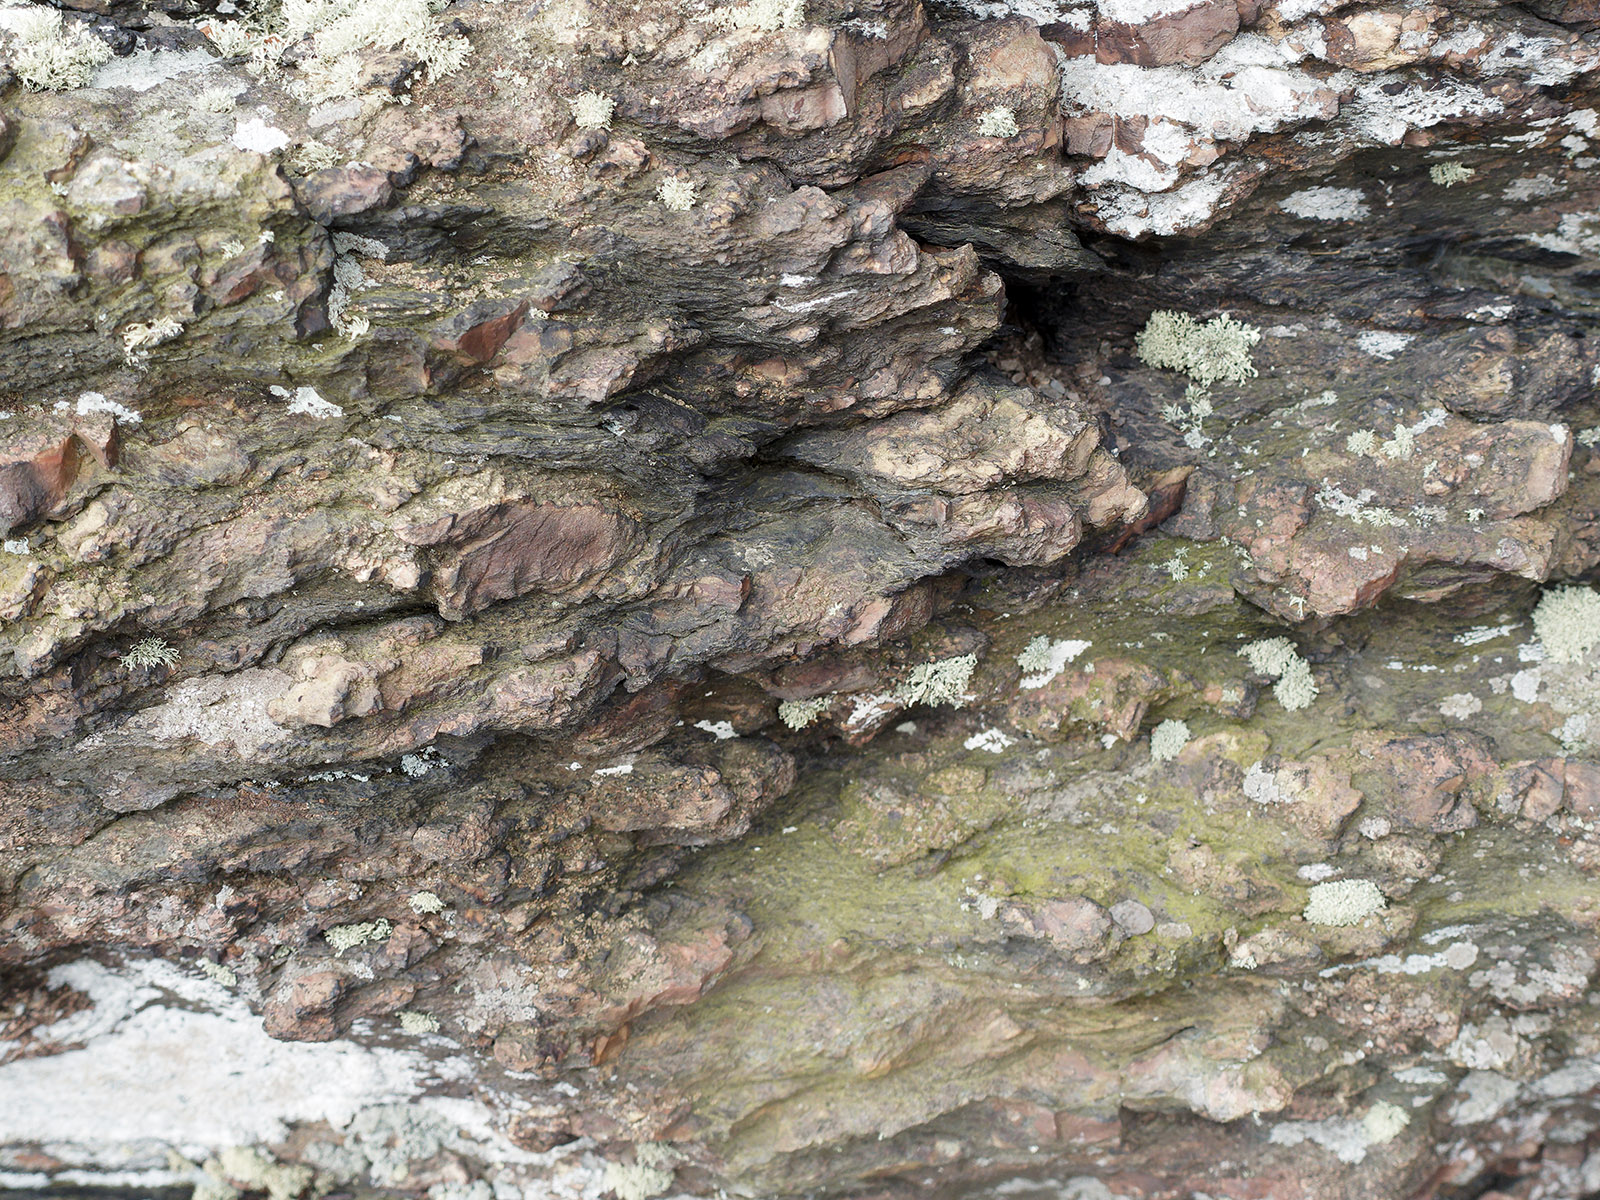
610,600
1208,352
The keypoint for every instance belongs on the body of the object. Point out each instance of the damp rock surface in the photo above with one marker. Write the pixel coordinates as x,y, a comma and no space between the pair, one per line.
896,598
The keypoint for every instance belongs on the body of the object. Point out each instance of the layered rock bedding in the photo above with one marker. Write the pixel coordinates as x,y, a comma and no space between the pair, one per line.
876,598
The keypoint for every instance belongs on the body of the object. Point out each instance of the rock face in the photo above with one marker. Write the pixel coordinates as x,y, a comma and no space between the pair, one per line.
833,598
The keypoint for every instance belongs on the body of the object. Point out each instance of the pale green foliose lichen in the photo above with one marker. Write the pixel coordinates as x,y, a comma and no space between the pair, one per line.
1176,567
1448,174
151,652
592,110
248,1169
138,338
1277,659
47,52
1191,416
1344,902
1567,622
1362,441
346,937
1044,659
649,1175
1209,352
941,682
217,972
798,714
998,122
426,903
1167,739
1383,1122
340,32
1035,656
768,16
418,1023
1296,688
1402,445
676,194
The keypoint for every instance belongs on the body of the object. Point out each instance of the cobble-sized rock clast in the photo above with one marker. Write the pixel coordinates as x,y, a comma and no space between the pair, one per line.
838,597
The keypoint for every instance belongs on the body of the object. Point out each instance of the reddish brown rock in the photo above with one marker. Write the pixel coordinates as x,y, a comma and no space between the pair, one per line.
507,550
1190,35
1423,782
661,467
1582,794
301,1007
1536,789
337,192
1074,924
477,334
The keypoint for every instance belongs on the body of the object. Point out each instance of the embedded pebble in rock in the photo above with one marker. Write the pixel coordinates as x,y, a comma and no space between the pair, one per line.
618,600
1132,917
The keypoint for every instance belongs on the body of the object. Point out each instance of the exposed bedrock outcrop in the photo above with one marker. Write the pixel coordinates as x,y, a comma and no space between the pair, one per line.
849,598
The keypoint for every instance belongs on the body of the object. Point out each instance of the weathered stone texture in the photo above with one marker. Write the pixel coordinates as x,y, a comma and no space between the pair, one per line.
571,655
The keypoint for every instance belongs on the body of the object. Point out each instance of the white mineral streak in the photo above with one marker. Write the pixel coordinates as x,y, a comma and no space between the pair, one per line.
168,1061
1255,85
171,1059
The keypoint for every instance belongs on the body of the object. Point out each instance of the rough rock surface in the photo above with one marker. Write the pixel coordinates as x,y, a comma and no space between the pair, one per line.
615,599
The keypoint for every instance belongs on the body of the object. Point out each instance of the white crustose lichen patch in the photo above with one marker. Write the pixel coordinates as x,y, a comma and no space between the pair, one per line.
1326,204
1460,706
89,403
994,741
167,1035
308,402
257,136
1345,1138
1383,344
1265,786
